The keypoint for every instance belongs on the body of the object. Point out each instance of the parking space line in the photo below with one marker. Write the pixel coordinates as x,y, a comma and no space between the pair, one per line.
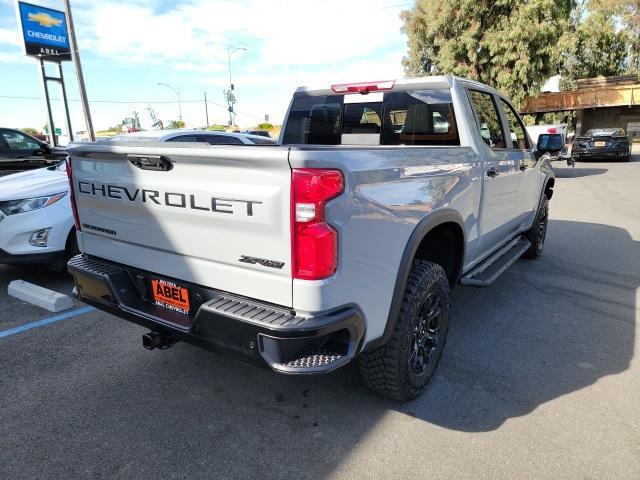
46,321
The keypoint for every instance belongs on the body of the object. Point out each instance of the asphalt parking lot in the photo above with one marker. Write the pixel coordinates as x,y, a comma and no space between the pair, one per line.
538,380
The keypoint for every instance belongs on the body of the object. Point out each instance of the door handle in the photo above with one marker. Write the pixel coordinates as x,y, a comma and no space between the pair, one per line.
18,156
492,172
523,167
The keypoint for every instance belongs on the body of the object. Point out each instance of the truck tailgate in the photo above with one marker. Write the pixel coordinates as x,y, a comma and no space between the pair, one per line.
217,216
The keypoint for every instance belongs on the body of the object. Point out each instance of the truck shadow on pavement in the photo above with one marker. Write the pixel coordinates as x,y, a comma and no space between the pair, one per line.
547,328
576,172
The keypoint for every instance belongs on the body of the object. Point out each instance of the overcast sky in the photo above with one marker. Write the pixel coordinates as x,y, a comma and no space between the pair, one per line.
128,47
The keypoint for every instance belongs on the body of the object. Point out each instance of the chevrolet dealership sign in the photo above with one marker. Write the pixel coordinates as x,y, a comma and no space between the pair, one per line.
44,32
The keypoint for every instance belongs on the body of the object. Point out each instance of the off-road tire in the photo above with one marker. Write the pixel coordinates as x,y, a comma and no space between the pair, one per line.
538,232
388,369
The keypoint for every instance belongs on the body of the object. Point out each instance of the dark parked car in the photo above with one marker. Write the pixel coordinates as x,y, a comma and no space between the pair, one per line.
20,151
601,143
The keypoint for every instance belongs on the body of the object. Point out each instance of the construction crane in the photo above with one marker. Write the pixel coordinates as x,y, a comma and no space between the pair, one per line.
131,124
157,123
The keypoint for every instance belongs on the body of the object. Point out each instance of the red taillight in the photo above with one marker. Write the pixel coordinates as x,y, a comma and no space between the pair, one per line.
72,196
314,242
364,87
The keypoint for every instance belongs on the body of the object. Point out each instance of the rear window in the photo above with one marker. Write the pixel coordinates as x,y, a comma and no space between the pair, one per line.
602,132
424,117
362,118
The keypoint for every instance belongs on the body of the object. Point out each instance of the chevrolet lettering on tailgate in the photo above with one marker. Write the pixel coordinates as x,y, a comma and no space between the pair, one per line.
170,199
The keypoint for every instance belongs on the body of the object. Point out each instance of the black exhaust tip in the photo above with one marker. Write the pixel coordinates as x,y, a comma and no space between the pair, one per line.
161,340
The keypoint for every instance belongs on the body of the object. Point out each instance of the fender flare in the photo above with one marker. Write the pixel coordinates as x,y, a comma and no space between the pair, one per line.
549,177
421,230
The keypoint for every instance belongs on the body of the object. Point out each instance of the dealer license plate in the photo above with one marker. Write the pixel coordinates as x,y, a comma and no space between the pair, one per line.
170,296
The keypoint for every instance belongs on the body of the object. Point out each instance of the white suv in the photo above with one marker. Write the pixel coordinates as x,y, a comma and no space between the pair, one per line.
36,222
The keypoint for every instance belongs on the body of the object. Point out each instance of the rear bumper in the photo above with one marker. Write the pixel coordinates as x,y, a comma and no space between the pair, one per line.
248,330
600,153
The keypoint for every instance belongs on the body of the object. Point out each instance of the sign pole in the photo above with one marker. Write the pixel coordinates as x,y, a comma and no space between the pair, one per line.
52,132
66,103
76,60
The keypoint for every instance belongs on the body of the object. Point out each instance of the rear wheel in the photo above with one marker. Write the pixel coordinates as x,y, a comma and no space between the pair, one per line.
404,366
538,232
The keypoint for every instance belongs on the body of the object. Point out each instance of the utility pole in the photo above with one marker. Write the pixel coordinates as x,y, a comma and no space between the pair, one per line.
206,108
76,60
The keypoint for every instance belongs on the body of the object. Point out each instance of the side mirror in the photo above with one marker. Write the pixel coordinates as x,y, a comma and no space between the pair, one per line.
550,143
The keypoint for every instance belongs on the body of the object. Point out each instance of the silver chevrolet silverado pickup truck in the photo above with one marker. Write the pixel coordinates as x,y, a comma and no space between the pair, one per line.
340,243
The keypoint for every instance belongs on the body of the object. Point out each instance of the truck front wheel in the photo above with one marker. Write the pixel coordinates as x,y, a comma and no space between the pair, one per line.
538,232
403,367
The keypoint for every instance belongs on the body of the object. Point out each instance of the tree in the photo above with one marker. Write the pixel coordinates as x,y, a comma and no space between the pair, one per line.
592,47
627,14
31,131
173,124
508,44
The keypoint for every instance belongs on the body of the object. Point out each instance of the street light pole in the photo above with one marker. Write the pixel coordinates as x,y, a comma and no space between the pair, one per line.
229,93
177,92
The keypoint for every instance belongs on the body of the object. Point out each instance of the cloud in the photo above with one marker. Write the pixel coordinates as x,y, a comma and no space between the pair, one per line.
288,43
9,37
194,35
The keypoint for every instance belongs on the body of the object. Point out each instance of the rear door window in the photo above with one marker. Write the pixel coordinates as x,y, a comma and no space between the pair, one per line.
516,128
487,118
424,117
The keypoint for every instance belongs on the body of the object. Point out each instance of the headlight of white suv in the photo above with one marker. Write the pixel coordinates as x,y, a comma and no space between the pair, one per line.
11,207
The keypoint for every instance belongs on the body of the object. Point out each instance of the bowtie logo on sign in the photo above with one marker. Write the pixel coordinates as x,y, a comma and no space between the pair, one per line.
44,19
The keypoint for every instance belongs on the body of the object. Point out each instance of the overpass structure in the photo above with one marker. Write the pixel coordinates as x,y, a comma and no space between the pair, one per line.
598,102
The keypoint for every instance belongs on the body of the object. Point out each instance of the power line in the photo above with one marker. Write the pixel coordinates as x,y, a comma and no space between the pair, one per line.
19,97
101,101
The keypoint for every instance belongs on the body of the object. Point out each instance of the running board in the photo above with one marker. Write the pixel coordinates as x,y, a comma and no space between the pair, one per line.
494,266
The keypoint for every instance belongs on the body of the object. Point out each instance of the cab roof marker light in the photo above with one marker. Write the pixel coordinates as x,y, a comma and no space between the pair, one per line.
364,87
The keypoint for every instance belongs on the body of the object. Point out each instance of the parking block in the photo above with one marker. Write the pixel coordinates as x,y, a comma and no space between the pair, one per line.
40,296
